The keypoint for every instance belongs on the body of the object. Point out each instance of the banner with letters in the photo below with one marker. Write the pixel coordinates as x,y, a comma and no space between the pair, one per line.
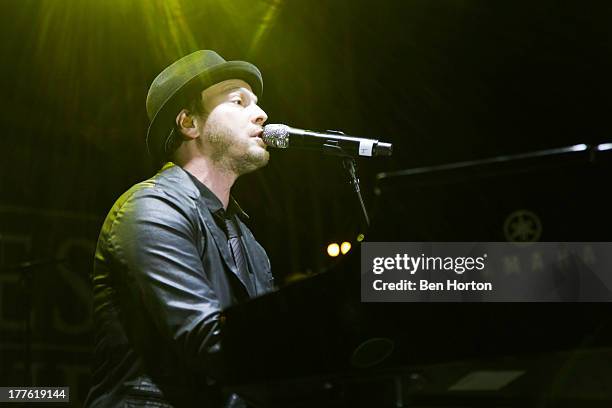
45,298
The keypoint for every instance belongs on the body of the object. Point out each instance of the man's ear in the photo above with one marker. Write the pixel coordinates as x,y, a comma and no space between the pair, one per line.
186,122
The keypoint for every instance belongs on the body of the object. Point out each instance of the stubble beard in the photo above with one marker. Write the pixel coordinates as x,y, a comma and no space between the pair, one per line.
220,141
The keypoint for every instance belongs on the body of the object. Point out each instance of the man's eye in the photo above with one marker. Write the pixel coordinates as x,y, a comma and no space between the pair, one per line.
237,101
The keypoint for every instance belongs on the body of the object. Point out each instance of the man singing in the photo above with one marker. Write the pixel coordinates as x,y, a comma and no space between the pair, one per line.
173,250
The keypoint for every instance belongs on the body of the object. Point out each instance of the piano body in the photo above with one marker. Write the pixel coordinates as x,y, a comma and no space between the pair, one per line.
315,344
318,345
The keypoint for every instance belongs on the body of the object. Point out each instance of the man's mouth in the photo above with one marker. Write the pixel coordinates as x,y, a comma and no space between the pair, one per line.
259,135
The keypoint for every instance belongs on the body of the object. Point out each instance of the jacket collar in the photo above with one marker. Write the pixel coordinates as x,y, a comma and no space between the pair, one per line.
198,190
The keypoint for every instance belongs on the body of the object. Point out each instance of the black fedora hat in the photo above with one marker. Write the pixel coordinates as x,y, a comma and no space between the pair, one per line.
200,70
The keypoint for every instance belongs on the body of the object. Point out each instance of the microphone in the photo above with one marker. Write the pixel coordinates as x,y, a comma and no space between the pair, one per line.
283,136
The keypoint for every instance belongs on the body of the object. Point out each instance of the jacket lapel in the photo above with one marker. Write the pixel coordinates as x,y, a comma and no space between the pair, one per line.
179,176
220,241
257,264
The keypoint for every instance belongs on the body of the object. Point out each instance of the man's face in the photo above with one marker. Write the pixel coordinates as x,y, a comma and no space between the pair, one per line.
231,132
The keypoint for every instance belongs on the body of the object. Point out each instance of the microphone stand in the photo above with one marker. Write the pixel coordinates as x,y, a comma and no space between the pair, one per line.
349,163
351,167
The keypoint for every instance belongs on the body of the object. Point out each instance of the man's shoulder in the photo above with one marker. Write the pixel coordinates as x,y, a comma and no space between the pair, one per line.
171,181
161,206
169,187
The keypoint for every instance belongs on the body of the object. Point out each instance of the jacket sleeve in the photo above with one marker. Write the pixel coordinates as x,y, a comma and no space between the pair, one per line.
154,238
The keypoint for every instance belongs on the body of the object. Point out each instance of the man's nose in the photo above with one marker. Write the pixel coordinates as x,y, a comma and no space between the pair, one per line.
259,116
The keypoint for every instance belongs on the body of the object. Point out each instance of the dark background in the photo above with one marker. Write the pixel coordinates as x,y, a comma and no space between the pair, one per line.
444,81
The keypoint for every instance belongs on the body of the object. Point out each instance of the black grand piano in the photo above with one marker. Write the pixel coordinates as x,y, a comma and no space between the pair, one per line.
319,346
314,343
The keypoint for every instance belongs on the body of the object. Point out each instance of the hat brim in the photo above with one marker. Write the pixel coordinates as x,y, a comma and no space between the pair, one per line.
162,122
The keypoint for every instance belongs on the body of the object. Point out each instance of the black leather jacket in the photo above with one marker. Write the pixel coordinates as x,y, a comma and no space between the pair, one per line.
162,274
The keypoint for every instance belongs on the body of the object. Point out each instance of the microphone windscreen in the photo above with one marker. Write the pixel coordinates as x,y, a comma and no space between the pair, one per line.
276,135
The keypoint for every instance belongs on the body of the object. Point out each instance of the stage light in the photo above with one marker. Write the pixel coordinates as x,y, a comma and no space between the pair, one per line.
579,147
345,247
604,146
360,237
333,250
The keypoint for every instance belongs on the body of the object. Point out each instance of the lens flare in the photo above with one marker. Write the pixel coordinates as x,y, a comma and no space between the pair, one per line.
333,250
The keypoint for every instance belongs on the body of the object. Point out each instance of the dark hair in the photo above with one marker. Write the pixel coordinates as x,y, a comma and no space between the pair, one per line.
190,100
